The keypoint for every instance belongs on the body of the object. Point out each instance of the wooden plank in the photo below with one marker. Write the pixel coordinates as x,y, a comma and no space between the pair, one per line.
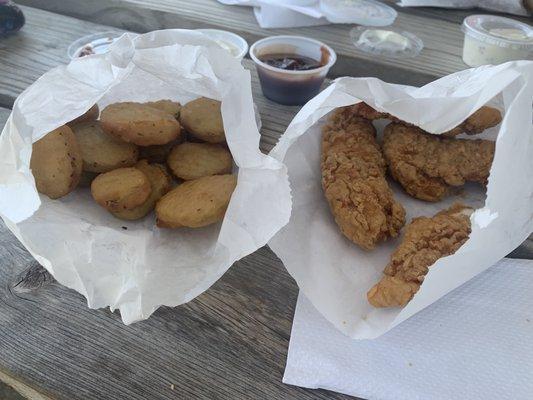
442,39
229,343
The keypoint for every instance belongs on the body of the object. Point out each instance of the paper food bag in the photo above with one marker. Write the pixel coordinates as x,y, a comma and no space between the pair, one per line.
335,274
135,266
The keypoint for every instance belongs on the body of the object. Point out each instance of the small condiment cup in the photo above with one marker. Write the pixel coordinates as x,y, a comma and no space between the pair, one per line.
290,87
236,45
491,39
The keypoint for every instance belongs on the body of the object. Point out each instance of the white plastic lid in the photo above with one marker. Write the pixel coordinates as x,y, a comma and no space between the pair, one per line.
361,12
390,42
499,31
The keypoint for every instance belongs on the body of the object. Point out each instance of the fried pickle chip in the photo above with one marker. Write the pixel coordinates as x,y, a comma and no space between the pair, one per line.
140,124
202,119
102,152
90,115
195,160
159,153
168,106
121,189
56,163
196,203
160,182
87,178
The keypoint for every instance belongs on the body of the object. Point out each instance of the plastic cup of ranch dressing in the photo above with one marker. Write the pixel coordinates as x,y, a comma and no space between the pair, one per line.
490,39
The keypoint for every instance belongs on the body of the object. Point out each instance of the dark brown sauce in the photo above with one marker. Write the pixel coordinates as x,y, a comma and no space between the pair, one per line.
290,62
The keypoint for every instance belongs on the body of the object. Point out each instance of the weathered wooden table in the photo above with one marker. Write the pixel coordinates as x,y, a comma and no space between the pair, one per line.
229,343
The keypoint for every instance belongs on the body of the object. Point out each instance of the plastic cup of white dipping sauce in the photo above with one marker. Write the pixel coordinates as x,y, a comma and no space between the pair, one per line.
233,43
285,85
490,39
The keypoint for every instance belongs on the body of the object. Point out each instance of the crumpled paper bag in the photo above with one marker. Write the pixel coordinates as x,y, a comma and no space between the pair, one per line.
134,266
335,274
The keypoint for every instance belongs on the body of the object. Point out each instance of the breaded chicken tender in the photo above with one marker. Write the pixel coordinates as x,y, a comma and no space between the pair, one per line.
428,165
353,179
196,203
484,118
426,240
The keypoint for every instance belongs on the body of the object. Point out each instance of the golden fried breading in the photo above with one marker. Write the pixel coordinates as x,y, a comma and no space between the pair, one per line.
202,119
195,160
196,203
160,181
102,152
484,118
121,189
427,165
426,240
170,107
353,179
140,124
90,115
56,163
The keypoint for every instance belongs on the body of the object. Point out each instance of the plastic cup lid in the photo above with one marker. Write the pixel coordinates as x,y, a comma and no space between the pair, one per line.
361,12
388,42
500,31
97,43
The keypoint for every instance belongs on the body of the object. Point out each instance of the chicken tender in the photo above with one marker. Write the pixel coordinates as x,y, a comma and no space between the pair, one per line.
102,152
196,203
484,118
90,115
160,182
56,163
140,124
426,240
353,179
202,118
428,165
195,160
171,107
121,189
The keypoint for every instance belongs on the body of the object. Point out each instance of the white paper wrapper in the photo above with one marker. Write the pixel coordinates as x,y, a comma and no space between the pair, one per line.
142,267
334,273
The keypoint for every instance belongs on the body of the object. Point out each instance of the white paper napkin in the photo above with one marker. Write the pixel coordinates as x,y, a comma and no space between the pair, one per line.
475,343
277,14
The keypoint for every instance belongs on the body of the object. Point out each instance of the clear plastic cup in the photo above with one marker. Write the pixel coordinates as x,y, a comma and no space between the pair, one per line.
233,43
491,39
290,87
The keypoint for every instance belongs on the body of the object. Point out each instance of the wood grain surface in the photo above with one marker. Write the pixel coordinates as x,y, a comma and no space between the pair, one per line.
229,343
442,39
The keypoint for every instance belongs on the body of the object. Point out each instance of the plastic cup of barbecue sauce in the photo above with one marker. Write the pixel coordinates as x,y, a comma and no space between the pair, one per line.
291,69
